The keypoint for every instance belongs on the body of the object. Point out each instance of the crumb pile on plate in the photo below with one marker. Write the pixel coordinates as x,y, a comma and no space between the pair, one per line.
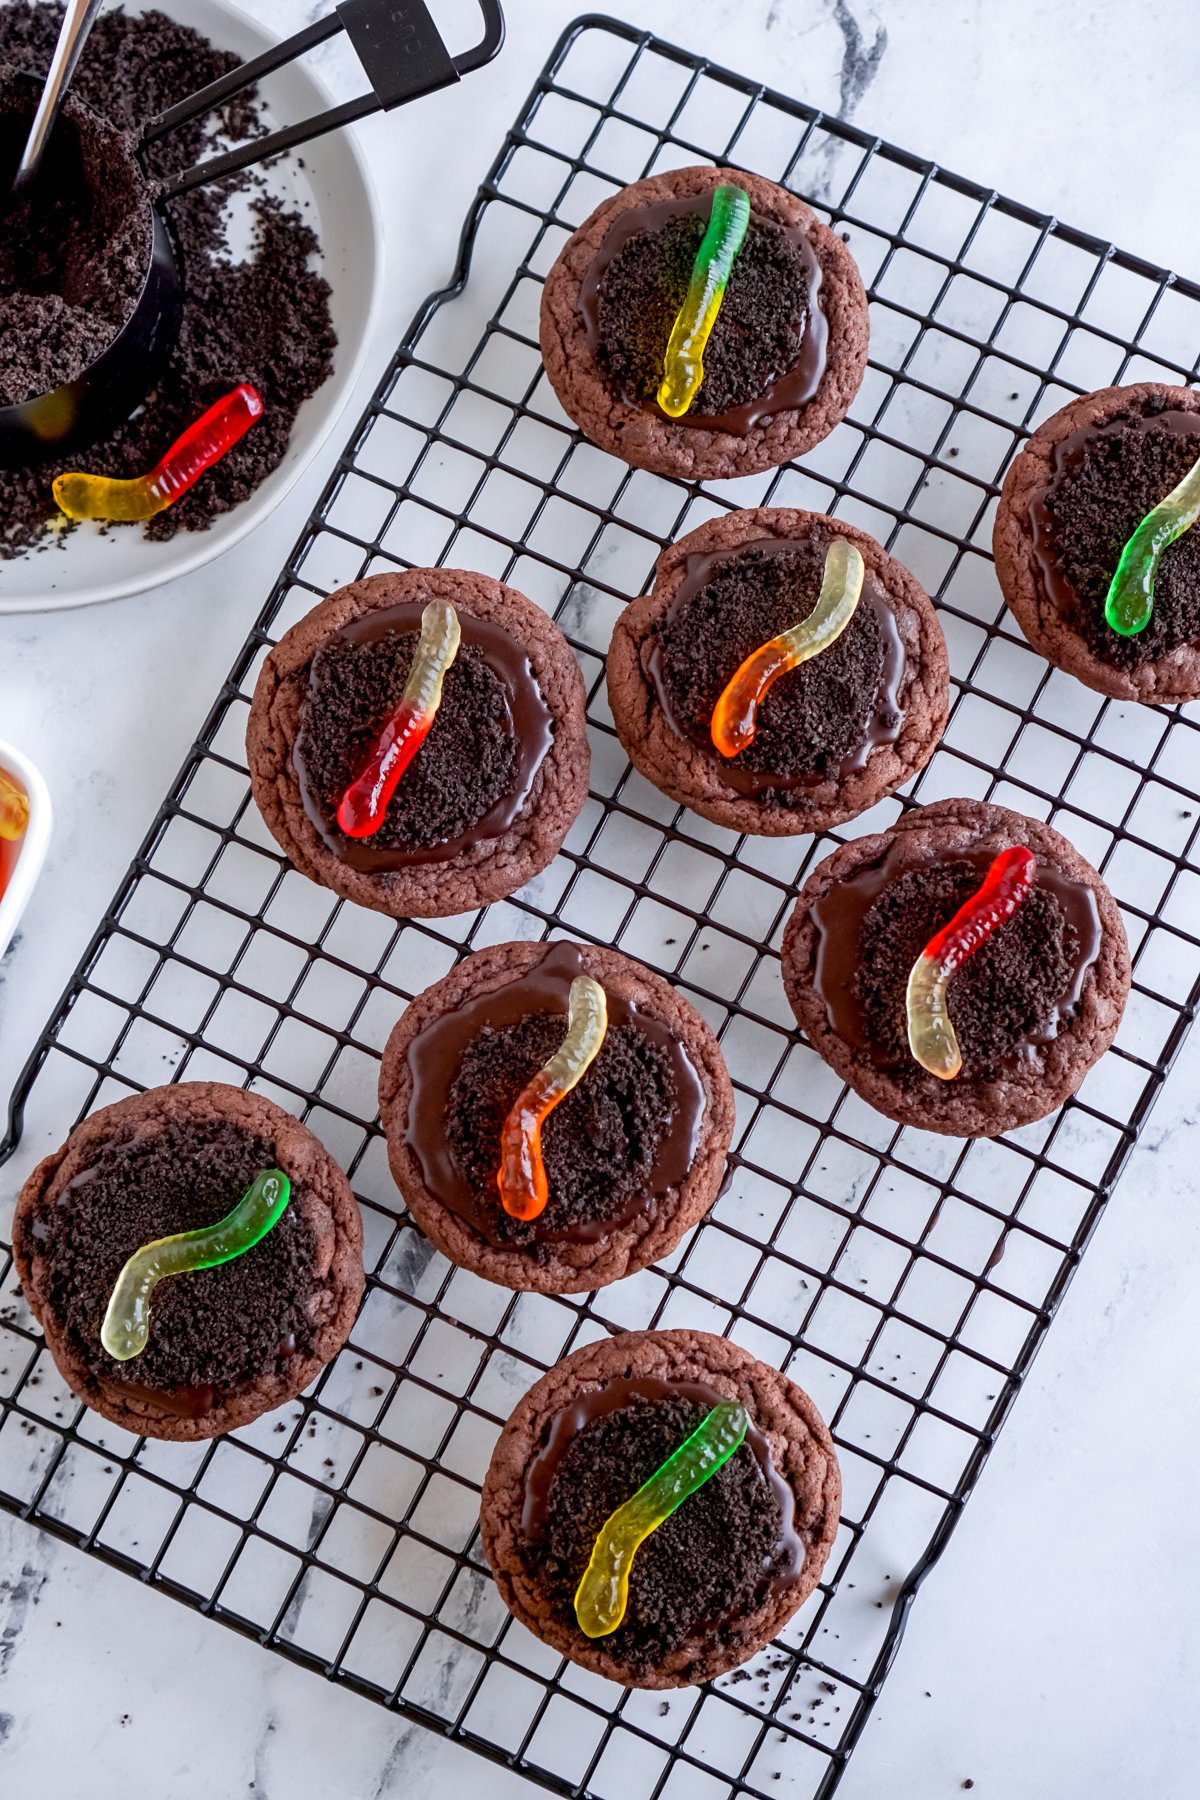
263,318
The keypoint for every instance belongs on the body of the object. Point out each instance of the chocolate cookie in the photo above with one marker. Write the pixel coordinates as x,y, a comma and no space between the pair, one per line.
726,1571
1072,499
634,1155
225,1343
495,786
1033,1008
786,355
834,735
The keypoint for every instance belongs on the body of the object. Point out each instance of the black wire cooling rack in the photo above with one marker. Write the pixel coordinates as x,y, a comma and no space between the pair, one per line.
906,1281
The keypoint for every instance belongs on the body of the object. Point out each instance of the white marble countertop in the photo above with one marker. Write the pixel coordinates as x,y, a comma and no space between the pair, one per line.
1056,1651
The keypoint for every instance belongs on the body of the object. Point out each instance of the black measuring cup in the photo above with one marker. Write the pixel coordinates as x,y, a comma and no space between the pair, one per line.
403,56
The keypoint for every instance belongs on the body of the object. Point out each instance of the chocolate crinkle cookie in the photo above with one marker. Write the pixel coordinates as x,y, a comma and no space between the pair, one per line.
634,1155
225,1343
832,736
1033,1008
496,783
1071,501
719,1578
786,354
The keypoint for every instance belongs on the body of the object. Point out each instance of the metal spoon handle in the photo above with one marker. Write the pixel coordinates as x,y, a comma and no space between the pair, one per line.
77,23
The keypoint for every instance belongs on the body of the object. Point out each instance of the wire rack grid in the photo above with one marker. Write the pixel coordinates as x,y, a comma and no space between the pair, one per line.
905,1281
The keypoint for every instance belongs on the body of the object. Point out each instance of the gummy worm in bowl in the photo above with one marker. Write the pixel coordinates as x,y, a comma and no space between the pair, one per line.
931,1035
602,1596
110,501
126,1324
14,810
735,716
683,364
524,1189
1130,599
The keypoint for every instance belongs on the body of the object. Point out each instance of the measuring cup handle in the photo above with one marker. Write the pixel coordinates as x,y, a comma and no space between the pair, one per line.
400,49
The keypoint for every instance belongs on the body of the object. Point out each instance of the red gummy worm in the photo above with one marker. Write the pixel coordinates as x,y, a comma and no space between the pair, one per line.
206,442
1004,887
361,808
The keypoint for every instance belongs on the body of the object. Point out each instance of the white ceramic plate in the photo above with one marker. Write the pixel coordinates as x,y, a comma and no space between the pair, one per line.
87,567
31,846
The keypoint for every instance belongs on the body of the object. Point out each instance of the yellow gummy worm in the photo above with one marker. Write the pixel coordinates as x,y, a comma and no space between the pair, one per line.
931,1035
364,803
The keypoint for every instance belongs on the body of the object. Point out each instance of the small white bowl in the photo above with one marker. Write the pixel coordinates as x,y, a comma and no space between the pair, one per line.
31,847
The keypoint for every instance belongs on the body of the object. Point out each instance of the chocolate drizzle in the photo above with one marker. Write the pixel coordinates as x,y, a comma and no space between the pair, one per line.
530,721
435,1054
791,390
787,1564
840,914
887,714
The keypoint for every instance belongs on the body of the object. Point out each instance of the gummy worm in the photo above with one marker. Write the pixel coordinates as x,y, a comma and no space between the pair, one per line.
107,500
524,1189
603,1595
127,1321
734,720
1131,592
362,806
14,809
683,364
930,1034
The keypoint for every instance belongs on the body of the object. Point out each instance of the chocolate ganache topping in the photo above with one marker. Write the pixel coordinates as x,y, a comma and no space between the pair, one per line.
727,1550
819,721
476,769
624,1137
1006,1000
1106,476
767,351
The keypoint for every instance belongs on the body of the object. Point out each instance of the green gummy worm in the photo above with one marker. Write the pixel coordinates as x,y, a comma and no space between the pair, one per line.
1130,600
127,1321
603,1594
